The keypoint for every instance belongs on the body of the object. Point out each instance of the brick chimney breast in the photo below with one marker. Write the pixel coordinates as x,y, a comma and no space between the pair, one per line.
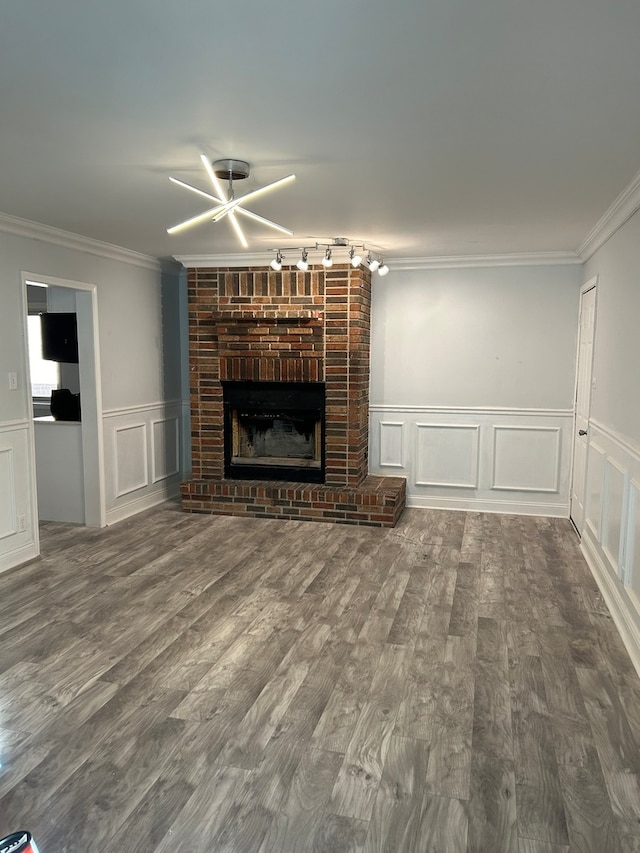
257,325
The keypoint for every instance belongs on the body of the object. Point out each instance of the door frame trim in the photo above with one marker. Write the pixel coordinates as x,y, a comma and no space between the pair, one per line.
91,387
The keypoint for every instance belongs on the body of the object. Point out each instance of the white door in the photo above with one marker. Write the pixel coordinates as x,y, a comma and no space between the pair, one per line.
583,400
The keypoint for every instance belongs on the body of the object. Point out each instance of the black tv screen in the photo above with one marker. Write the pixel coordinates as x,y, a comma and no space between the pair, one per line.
59,337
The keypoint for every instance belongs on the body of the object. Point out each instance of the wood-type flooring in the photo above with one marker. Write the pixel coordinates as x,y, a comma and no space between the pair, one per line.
195,683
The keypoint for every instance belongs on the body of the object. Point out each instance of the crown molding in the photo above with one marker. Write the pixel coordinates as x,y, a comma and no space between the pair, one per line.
516,259
262,259
622,209
248,259
67,240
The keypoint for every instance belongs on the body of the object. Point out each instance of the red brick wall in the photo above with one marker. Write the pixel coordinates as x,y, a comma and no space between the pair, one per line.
257,324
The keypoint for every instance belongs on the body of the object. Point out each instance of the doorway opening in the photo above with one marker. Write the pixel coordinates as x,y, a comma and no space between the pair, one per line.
67,452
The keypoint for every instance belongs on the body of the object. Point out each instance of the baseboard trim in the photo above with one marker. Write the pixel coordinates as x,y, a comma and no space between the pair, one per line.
21,555
550,510
158,496
616,600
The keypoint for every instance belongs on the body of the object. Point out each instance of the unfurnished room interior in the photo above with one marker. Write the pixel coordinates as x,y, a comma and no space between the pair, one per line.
320,427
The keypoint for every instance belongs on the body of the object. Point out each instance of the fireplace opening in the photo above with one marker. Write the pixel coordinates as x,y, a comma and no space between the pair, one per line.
274,430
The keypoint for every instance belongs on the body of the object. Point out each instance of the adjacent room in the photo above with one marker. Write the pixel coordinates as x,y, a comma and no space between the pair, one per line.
319,427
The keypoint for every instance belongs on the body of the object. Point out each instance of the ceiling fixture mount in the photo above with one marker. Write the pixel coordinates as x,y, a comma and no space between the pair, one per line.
226,204
374,260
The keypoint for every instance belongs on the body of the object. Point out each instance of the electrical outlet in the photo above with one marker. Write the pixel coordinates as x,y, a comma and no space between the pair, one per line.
22,523
13,382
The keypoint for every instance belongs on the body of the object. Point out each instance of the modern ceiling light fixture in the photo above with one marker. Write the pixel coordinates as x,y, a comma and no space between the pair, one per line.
226,204
374,260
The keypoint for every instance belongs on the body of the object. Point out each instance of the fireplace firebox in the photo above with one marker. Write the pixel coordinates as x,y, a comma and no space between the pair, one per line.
274,430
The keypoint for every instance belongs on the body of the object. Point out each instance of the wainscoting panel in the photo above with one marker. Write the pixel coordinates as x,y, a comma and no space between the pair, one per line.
8,512
131,459
595,488
633,538
142,457
447,455
493,460
611,536
18,507
613,513
165,449
391,444
526,458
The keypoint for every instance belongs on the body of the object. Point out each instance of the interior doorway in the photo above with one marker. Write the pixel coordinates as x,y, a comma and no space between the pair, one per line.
584,385
88,430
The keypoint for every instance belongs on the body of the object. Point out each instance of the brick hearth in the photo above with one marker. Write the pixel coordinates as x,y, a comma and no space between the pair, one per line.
258,325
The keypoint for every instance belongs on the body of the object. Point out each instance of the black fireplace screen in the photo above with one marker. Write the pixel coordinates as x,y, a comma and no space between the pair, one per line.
274,430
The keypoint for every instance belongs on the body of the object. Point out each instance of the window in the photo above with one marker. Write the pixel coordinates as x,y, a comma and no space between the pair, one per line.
45,375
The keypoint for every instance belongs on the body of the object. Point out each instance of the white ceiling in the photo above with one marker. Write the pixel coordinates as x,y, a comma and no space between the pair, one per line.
426,127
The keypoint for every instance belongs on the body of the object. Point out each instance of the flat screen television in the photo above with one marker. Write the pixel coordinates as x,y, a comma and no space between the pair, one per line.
59,334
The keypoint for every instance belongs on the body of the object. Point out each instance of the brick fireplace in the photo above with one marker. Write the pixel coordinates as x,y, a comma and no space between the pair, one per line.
305,337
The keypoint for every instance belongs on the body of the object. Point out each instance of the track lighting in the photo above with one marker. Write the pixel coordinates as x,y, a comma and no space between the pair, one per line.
303,263
355,253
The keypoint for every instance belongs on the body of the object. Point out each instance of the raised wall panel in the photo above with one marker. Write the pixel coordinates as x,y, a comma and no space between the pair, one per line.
526,458
612,516
447,455
633,539
165,452
391,444
595,479
131,458
8,492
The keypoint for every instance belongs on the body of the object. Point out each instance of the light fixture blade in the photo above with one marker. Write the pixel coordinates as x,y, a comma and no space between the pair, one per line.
212,214
213,177
264,189
196,190
264,221
236,227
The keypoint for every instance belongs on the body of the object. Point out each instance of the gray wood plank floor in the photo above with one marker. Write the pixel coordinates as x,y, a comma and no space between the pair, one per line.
192,683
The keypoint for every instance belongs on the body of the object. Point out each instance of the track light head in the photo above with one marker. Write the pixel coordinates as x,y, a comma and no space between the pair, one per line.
276,263
303,263
356,260
327,261
372,263
383,269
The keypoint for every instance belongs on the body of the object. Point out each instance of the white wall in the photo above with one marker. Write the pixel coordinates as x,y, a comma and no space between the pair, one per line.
135,387
472,385
611,537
